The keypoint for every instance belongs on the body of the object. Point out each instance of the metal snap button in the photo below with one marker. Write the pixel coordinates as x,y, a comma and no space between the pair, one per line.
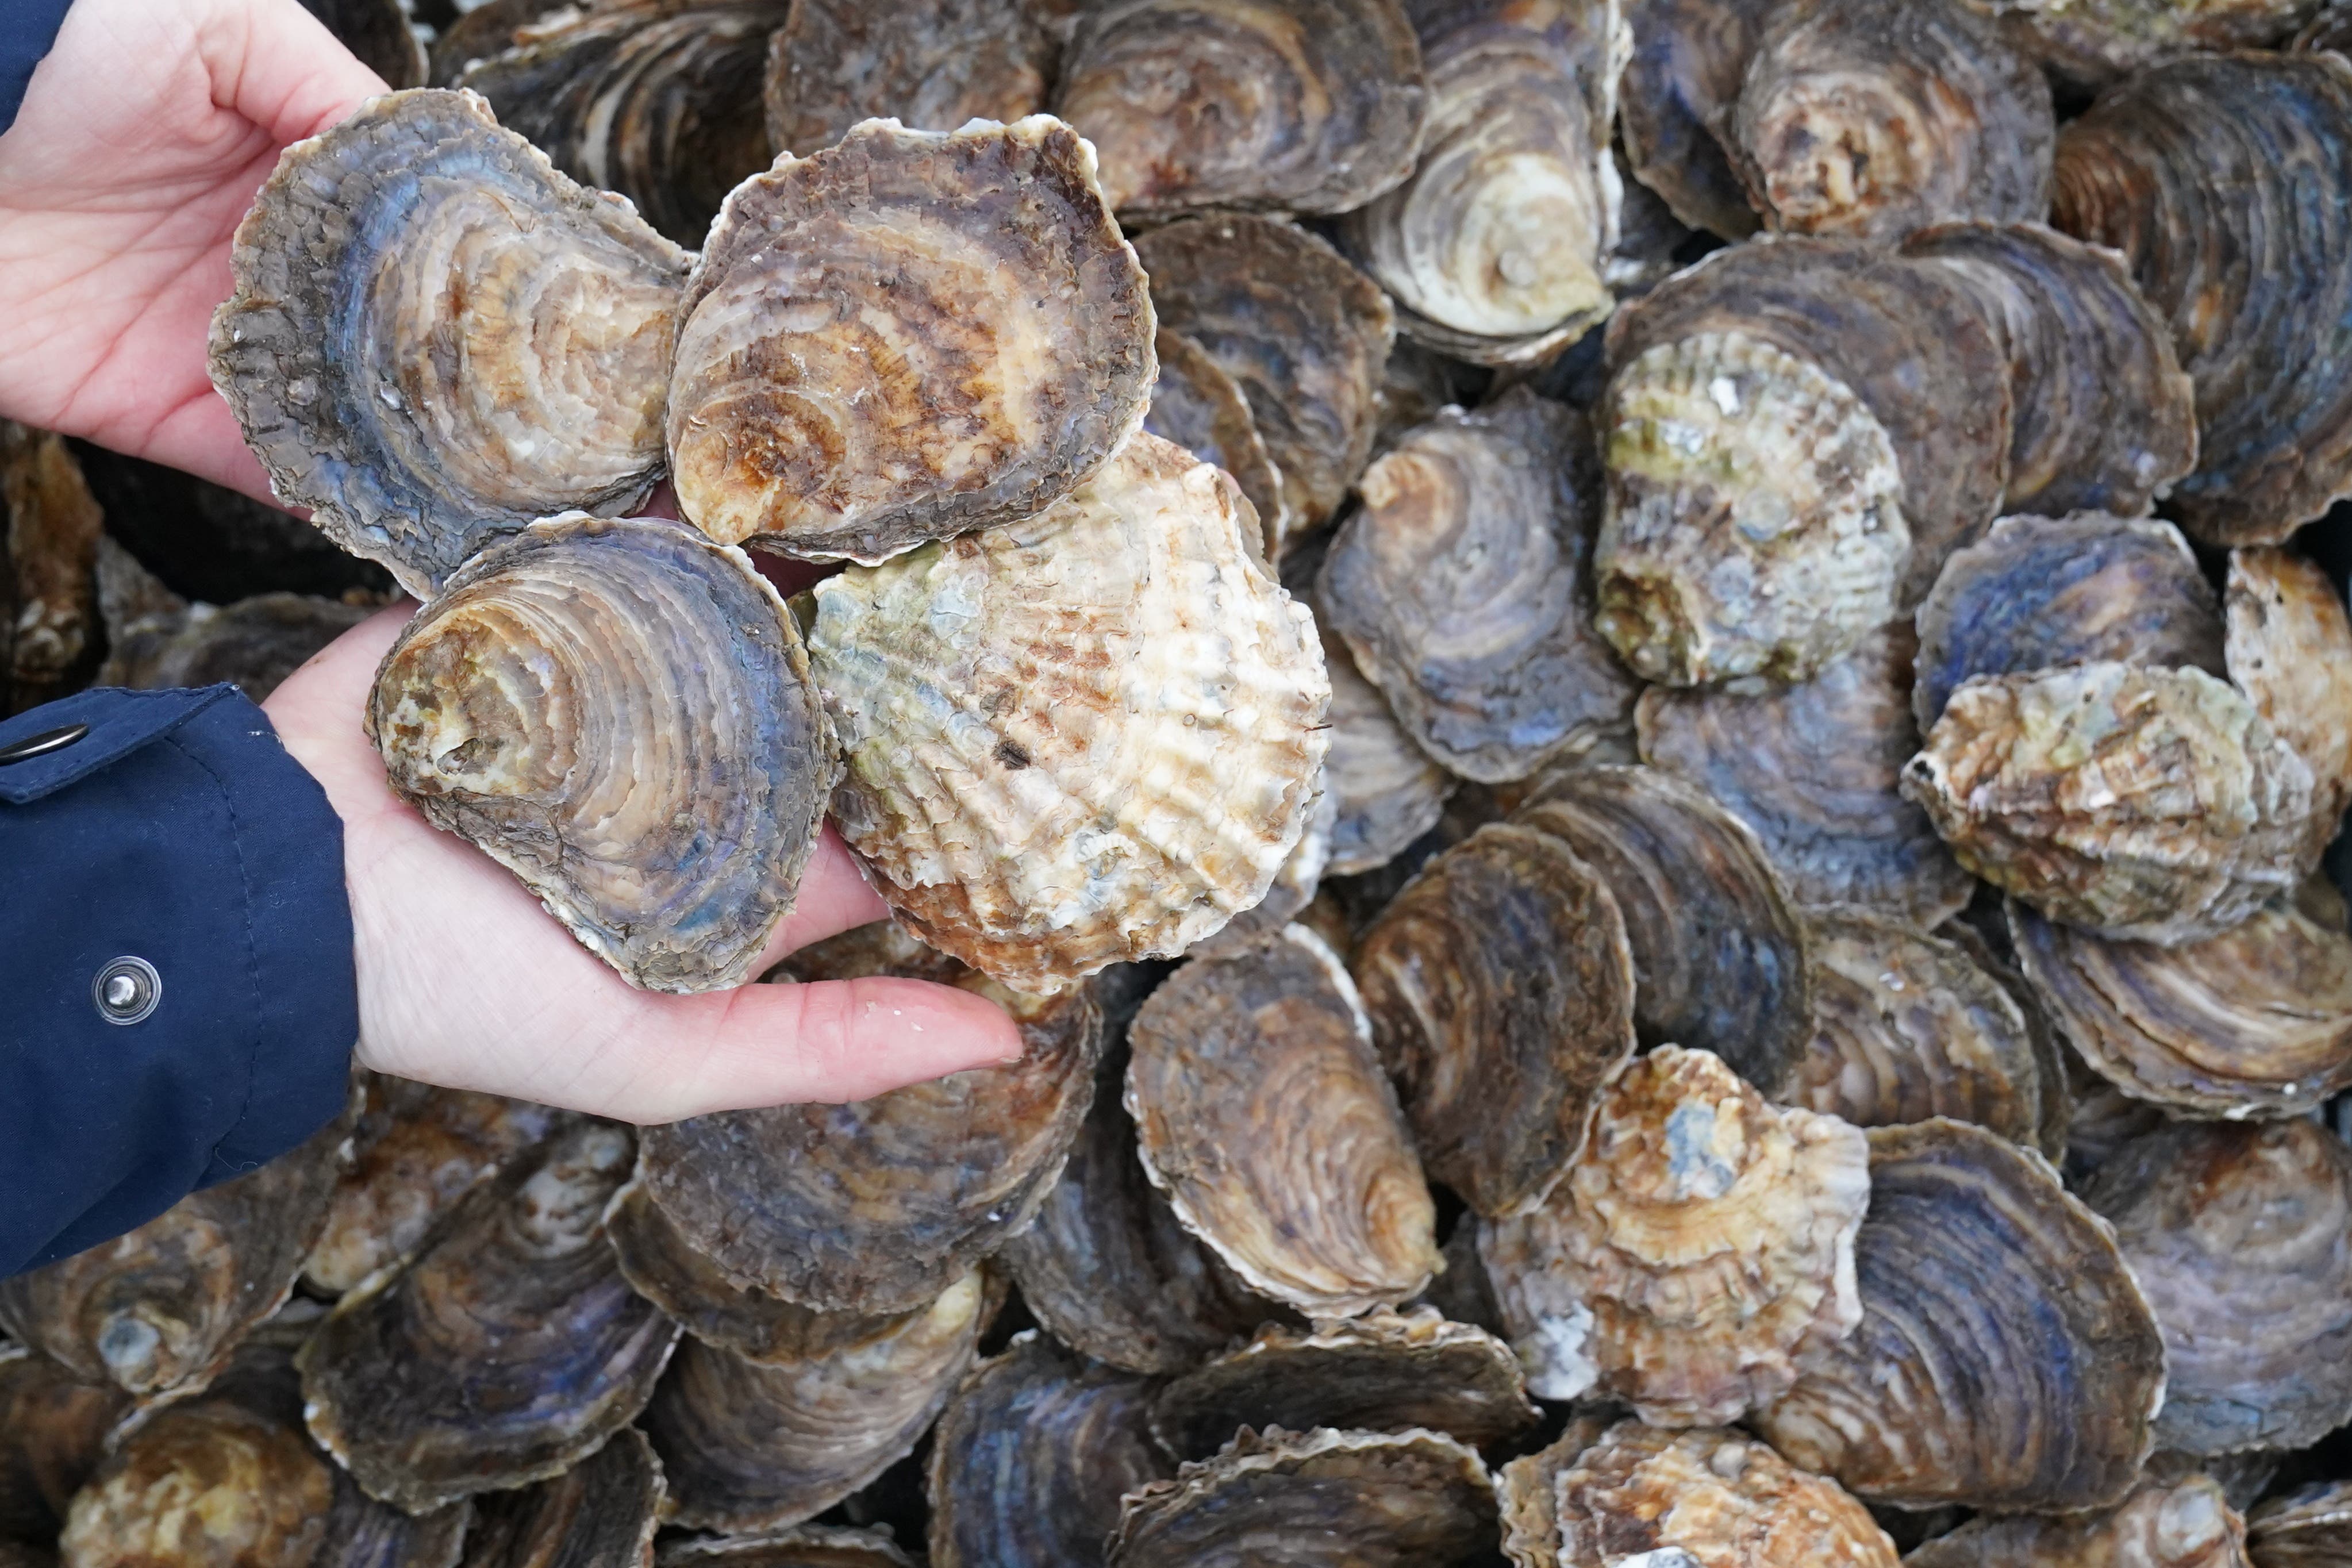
126,990
42,744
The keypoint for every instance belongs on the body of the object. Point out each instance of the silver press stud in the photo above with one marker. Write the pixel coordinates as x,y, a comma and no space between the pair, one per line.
126,990
42,744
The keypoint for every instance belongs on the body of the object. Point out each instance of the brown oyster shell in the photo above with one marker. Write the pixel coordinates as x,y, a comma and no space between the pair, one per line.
1361,1499
50,544
2147,805
1909,1027
1303,333
905,336
1709,1498
155,639
1500,991
1387,791
53,1430
2194,170
2242,1236
1300,106
2038,592
1718,952
1089,737
1031,1456
2289,649
1701,1244
2006,1359
2331,29
422,370
1329,1214
1459,584
748,1446
1295,886
2254,1022
1529,1492
2175,1517
364,1533
206,1483
1201,408
621,714
2105,419
2308,1528
601,1513
1815,769
2085,43
834,63
1674,105
2059,1072
505,1352
1384,1372
802,1546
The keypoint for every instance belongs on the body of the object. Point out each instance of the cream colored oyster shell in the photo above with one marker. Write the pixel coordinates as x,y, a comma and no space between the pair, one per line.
1707,1498
2289,648
1089,737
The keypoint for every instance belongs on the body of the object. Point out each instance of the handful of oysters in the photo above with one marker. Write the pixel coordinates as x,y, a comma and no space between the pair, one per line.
1629,695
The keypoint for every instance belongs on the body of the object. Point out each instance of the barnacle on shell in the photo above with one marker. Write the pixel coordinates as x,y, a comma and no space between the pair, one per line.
604,1509
2288,648
834,63
1676,101
1201,408
2175,1516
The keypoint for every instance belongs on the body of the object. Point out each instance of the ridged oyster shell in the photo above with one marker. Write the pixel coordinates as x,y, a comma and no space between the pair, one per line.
603,1510
2175,1517
2288,647
1707,1497
931,67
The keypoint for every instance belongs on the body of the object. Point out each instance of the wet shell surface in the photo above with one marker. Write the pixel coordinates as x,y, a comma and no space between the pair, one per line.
1675,106
602,1511
2175,1517
802,1546
834,63
1089,737
1330,1216
421,366
2289,648
905,336
2006,1359
2308,1528
1301,106
1386,790
1701,1244
53,1432
1527,1489
205,1484
1202,409
621,714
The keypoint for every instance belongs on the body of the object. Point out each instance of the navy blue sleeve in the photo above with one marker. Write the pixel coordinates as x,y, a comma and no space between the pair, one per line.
177,833
28,29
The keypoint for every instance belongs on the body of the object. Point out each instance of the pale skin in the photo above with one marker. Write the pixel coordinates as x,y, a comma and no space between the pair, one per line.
140,145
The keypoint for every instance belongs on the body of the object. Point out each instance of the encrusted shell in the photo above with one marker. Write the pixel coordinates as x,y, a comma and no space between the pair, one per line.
621,715
2289,648
601,1513
801,1546
1709,1498
2006,1358
905,336
834,63
1387,791
420,366
1202,409
2308,1528
1305,106
1090,736
53,1432
1330,1213
2175,1516
1528,1489
1676,101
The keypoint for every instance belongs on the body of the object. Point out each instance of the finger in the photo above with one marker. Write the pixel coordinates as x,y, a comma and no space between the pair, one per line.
278,65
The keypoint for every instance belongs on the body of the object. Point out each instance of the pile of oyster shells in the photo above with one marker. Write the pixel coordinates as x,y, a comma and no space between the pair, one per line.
1629,696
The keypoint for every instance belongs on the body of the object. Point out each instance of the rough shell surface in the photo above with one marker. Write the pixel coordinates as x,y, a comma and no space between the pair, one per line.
50,544
205,1484
601,1513
2289,649
1676,101
2085,43
422,366
802,1546
2175,1517
1709,1498
904,336
1528,1489
1294,885
1201,408
253,643
1089,737
1388,791
931,68
53,1432
621,715
2308,1528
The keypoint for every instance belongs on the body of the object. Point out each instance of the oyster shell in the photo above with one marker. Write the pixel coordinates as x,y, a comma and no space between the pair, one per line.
422,369
1365,1499
803,1546
1386,790
53,1429
2241,1237
621,715
1675,106
1331,1215
2308,1528
2331,29
1383,1372
1500,991
2006,1359
156,639
1718,954
2196,170
1303,334
754,1446
2085,43
505,1352
2175,1517
2152,805
1090,736
1030,1459
2104,418
1303,106
1295,886
1201,408
834,63
1527,1489
1700,1246
1815,769
1459,586
2038,592
49,546
2289,649
601,1513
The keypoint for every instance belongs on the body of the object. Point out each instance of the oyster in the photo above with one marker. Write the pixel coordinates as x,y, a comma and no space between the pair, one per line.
422,367
2289,649
1364,1500
156,639
1031,1456
834,63
2006,1358
1294,885
1675,106
1329,1214
1718,954
2152,805
1386,790
601,1513
2175,1516
2308,1528
903,337
1527,1489
1500,991
2039,592
876,1207
803,1546
53,1430
1201,408
505,1352
2241,1237
2331,29
621,714
755,1445
49,547
2226,182
1091,736
1304,106
1497,248
1384,1372
1459,586
2104,418
2085,43
1815,769
1302,333
1699,1247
